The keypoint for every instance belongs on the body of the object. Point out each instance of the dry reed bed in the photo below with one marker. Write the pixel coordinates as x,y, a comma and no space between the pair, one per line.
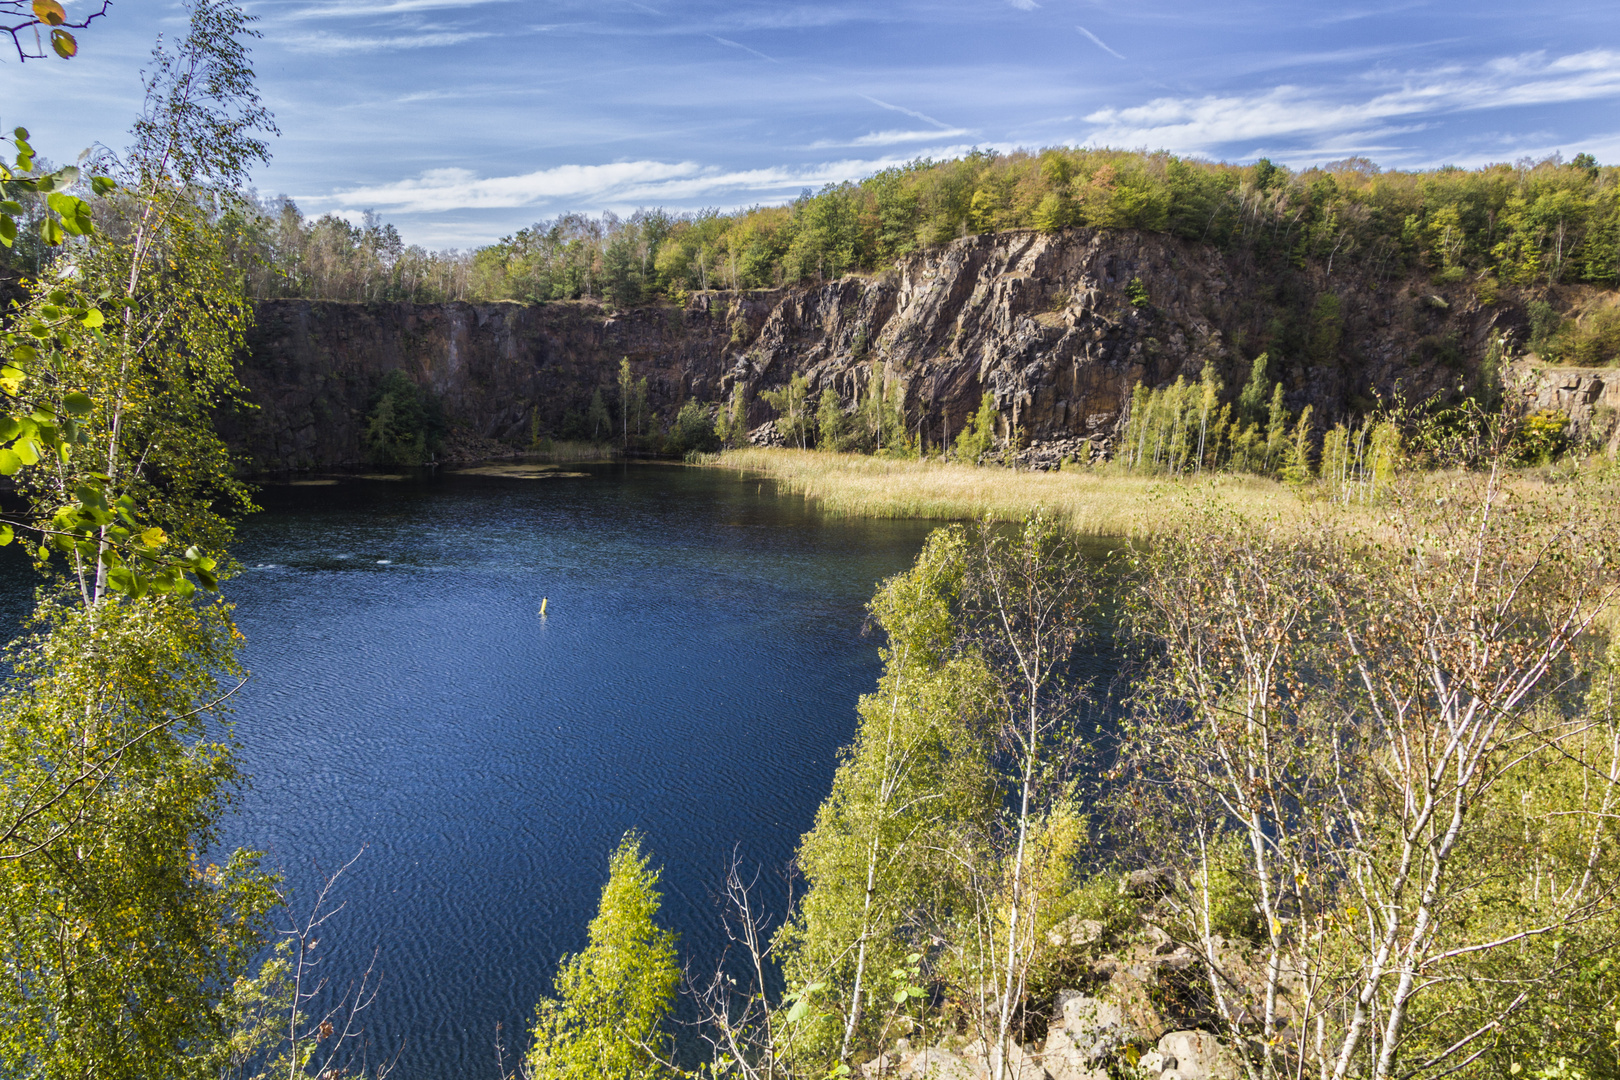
1090,502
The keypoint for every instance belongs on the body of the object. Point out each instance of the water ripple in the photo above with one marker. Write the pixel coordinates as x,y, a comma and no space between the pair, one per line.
694,677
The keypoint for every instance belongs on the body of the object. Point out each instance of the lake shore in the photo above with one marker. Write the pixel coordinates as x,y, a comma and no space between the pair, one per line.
1091,502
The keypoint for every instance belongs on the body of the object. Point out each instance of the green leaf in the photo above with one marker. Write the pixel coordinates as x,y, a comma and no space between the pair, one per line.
50,230
899,997
8,230
10,462
27,451
6,535
92,318
79,404
75,213
64,44
796,1013
101,185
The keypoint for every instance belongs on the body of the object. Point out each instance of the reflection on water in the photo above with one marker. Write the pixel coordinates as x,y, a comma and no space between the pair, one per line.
694,676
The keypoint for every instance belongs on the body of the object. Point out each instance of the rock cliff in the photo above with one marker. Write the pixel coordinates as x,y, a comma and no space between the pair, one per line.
1059,327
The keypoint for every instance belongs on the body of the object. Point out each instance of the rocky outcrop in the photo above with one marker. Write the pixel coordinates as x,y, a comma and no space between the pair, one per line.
1590,397
1057,327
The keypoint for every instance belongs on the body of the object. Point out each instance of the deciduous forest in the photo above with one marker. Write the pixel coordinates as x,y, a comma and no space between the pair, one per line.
1351,808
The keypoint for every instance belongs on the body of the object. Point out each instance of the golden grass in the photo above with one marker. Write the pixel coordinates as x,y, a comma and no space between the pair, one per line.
1090,502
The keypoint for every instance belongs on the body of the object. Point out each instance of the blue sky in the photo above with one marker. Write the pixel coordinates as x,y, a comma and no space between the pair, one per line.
461,121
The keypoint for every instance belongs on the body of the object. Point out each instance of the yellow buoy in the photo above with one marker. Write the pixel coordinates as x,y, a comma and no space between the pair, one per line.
542,607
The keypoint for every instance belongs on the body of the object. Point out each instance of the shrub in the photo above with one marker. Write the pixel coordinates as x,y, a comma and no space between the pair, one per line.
1541,437
693,429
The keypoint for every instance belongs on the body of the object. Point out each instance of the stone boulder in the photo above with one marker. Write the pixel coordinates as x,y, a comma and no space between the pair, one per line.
1082,1036
937,1063
1075,933
1190,1055
1021,1064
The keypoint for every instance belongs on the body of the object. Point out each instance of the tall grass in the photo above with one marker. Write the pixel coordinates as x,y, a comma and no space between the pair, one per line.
565,451
1090,502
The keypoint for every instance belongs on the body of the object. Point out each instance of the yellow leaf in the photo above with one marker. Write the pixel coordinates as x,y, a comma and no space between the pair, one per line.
154,537
49,12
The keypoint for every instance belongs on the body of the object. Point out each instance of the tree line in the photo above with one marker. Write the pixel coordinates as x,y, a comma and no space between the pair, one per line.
1525,224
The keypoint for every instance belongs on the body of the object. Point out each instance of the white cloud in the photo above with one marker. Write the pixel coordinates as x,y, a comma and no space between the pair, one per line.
1097,41
924,117
344,43
1192,124
890,138
744,48
1024,5
621,184
359,9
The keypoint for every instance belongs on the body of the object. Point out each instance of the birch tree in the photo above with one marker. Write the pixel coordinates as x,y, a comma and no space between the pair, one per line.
1355,712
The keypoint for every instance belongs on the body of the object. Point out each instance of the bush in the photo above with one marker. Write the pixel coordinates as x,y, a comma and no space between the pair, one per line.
693,429
1542,437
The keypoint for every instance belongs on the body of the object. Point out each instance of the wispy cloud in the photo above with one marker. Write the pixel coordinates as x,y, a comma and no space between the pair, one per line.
890,138
1097,41
1023,5
625,183
744,48
345,43
1210,122
361,9
924,117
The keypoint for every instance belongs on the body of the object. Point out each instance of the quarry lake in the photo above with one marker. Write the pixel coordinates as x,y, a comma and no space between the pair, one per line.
694,676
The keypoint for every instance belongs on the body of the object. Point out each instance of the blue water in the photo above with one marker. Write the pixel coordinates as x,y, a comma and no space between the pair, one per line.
694,677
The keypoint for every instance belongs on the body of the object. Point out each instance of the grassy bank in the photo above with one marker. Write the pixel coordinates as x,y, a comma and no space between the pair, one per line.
1092,503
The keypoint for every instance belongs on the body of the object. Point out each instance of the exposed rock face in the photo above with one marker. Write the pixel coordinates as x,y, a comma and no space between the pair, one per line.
1590,397
1058,327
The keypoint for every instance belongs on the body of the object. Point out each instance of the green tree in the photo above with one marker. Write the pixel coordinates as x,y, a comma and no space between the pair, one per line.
115,756
792,405
731,423
693,429
1276,429
978,435
597,418
627,398
1251,404
916,771
606,1022
832,422
403,426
